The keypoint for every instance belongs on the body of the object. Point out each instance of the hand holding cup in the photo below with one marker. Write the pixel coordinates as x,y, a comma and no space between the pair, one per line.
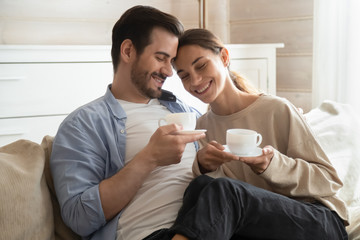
186,119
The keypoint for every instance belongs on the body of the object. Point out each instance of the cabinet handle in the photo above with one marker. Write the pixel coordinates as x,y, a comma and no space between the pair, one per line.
12,78
12,132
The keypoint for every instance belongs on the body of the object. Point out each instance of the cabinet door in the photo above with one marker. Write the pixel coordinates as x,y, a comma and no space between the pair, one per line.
33,129
39,89
254,70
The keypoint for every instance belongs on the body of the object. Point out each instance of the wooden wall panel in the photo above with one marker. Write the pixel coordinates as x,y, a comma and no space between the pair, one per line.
67,32
294,72
245,10
296,35
95,9
217,18
299,99
280,21
77,22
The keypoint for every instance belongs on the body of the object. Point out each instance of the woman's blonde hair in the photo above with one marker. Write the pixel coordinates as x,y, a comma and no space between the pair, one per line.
207,40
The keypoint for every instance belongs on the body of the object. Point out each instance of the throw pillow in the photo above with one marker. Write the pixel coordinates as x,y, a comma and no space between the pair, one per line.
25,205
62,232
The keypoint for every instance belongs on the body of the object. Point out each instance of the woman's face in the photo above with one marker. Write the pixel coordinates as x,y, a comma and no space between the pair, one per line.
202,72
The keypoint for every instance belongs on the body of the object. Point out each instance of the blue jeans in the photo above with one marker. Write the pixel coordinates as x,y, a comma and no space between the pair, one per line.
223,208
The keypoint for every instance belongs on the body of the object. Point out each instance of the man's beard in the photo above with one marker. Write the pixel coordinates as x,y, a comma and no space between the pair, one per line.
141,79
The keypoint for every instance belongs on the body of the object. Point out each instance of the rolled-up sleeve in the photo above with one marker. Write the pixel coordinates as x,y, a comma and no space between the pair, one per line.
78,165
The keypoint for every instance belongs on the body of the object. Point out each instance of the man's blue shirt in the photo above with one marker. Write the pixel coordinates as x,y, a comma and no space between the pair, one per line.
88,148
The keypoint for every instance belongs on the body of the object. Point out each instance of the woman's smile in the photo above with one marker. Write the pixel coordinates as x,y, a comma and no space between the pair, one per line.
203,89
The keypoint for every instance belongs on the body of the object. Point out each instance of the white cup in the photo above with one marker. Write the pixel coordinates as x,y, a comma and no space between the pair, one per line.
186,119
242,141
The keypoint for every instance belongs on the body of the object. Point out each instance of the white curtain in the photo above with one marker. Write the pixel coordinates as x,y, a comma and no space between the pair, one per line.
336,66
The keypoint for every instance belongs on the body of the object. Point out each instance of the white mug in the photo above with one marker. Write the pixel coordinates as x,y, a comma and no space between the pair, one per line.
242,141
186,119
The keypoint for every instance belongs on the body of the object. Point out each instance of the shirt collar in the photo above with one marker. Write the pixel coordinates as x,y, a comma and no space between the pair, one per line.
119,112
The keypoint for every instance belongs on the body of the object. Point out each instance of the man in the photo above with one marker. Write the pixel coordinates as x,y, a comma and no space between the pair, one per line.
117,174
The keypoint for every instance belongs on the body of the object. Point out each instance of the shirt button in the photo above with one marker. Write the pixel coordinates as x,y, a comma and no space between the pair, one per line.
122,131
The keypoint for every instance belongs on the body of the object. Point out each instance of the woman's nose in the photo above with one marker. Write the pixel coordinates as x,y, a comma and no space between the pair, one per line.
195,79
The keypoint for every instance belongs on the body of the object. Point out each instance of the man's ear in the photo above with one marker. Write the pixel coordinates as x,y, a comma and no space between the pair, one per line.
127,50
225,57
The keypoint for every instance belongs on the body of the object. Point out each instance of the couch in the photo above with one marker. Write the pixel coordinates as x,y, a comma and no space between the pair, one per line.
28,205
29,208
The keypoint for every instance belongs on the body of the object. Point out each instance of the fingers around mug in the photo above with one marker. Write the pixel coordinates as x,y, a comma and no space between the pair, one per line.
171,128
252,160
268,150
187,138
217,145
230,156
160,120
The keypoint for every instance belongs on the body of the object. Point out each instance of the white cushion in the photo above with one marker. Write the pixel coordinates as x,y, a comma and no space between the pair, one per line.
337,127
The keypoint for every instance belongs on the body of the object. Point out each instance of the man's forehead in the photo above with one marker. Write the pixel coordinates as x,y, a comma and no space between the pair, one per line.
163,42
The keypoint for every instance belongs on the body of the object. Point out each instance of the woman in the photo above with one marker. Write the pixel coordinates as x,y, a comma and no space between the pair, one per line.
292,186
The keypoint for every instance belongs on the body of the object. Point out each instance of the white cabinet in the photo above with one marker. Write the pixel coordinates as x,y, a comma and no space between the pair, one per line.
32,128
38,89
256,62
41,85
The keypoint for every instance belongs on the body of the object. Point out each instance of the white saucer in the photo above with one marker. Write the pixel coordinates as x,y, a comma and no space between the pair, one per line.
257,152
197,131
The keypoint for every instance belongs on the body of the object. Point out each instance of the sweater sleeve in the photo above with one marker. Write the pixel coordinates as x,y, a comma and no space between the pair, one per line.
301,169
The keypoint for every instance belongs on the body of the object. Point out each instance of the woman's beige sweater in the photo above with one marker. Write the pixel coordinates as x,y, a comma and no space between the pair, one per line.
299,169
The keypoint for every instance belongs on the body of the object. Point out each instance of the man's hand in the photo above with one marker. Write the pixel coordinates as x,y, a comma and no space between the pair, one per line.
166,146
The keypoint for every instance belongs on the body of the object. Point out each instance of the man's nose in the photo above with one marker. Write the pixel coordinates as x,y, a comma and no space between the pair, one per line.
167,69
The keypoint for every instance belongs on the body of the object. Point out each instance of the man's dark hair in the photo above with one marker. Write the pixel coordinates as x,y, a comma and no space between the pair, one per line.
137,24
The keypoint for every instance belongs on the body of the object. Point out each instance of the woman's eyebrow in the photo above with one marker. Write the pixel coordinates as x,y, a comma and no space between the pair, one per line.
195,61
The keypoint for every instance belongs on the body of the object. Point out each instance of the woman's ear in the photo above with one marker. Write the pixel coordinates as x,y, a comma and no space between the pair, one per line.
225,57
126,50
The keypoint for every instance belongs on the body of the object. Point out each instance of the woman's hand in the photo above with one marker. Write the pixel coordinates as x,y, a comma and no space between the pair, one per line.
213,156
260,164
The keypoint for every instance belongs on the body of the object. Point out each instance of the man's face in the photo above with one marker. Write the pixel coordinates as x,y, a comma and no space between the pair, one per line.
153,66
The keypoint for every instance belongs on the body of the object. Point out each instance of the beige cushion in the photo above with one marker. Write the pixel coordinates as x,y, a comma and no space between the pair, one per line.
62,232
25,205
